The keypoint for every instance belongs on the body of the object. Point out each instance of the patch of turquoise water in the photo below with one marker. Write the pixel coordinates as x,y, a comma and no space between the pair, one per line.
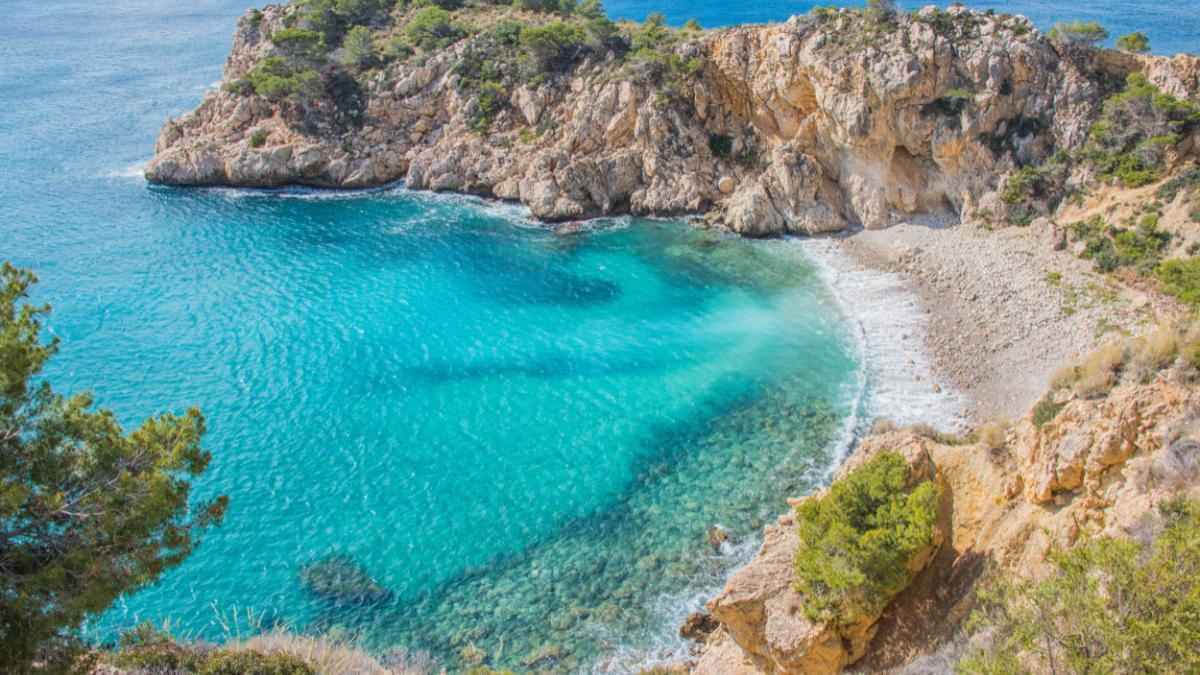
595,591
456,401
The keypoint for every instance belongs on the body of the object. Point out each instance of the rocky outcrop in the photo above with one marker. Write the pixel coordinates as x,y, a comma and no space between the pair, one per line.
761,613
804,126
1097,466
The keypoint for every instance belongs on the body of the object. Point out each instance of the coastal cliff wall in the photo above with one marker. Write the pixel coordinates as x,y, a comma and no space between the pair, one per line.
1077,465
805,126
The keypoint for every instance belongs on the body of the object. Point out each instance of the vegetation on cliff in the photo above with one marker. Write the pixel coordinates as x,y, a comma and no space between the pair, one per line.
1109,606
87,511
857,540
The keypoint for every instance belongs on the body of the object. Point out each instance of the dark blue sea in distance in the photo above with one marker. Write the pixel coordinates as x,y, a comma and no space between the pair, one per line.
524,437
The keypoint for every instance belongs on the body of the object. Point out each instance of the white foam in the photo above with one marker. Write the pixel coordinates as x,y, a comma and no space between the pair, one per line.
886,328
135,170
890,328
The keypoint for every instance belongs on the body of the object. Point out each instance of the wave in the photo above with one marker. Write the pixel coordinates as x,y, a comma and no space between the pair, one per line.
885,326
134,170
890,328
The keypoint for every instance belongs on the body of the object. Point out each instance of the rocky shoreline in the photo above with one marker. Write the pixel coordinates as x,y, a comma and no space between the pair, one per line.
812,125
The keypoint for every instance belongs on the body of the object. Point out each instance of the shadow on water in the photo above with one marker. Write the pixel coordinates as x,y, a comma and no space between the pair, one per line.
565,601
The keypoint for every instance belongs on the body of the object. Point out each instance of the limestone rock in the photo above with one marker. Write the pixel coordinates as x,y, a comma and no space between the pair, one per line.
820,135
760,611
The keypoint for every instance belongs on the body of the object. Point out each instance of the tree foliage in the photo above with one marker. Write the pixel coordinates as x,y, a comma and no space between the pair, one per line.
358,49
299,42
553,47
1078,33
1110,606
857,540
87,512
1134,43
431,29
1136,128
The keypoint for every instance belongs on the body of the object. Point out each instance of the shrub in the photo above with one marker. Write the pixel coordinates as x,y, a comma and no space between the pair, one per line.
720,145
490,97
650,34
994,435
507,31
1111,247
1136,128
1134,43
693,26
1181,278
258,137
148,648
299,42
277,80
431,29
1099,371
355,11
246,662
1186,180
1045,410
1078,33
358,49
1109,606
857,540
553,47
1157,350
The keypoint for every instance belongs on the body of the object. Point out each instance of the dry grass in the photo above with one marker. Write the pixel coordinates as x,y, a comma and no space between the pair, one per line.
334,656
1157,350
1065,377
1099,371
994,435
882,426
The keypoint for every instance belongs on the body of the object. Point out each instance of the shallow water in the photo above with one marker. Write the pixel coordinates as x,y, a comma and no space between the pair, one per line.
525,438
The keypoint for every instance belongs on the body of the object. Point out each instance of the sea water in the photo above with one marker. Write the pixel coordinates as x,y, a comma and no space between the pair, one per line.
525,438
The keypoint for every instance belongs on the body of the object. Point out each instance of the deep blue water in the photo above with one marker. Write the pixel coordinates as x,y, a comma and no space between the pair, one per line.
524,437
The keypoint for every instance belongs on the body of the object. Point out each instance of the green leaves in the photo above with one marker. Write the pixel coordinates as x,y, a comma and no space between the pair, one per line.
87,513
1078,33
431,29
857,540
1110,605
1134,43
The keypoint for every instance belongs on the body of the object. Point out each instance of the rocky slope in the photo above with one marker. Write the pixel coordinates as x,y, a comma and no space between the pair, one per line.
806,126
1076,464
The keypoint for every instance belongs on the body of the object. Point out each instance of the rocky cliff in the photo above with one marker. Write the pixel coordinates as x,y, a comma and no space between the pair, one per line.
1079,463
828,119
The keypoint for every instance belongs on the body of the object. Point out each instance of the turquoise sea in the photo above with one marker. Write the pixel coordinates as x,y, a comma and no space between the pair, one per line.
524,437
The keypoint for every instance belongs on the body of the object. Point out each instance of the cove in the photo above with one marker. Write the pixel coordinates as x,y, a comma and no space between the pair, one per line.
524,437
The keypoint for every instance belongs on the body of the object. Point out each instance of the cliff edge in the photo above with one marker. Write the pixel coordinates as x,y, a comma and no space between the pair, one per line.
807,126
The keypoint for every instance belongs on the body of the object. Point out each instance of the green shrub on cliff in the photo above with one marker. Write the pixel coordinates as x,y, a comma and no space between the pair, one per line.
1181,278
1078,33
87,512
856,541
358,49
1110,606
1136,128
552,47
299,42
431,29
1111,247
1134,43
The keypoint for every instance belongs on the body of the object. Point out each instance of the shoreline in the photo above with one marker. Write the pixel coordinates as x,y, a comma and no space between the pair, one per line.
1003,309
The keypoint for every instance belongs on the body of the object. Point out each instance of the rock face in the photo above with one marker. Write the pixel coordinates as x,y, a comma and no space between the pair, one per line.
805,126
763,615
1098,466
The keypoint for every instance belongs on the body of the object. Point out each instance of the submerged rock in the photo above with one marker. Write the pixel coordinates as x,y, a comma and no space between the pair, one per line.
342,580
698,626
